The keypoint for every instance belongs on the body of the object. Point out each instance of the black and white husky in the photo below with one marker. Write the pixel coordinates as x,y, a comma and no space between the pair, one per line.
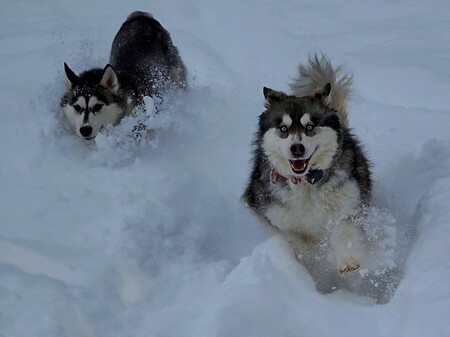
143,62
310,178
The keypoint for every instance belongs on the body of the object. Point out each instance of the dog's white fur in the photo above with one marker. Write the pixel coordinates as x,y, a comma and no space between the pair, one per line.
108,115
323,213
277,149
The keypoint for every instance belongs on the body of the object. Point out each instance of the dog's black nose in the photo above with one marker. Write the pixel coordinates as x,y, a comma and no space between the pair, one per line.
86,130
297,150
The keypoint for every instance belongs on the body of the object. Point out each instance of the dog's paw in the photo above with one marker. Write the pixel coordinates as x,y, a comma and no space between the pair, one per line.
348,264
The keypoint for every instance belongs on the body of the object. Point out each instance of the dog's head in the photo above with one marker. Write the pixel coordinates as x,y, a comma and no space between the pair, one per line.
299,134
92,100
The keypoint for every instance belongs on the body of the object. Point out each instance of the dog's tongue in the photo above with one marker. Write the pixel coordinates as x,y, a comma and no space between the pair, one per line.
298,165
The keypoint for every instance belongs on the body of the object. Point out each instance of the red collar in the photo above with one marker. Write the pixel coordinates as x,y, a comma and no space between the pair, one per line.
276,177
312,177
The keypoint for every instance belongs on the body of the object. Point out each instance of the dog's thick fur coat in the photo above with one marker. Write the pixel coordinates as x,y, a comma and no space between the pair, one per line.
143,62
310,176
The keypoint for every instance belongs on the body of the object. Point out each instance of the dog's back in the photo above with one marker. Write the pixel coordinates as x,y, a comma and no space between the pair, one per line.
143,50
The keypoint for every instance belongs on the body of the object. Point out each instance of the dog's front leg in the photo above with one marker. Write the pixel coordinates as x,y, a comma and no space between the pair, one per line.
347,245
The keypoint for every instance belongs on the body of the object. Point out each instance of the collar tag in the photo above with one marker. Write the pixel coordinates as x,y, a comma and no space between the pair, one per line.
314,176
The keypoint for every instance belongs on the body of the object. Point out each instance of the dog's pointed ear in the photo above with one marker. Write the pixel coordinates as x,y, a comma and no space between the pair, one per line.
109,79
272,97
323,93
71,77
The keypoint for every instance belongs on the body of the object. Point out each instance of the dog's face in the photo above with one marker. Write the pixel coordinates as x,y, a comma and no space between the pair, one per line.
91,100
299,134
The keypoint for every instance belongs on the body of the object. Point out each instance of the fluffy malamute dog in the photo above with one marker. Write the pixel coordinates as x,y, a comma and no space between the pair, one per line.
143,62
310,177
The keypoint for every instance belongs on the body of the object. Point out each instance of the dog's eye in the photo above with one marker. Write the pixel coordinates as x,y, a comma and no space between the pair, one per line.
77,108
96,108
283,128
309,127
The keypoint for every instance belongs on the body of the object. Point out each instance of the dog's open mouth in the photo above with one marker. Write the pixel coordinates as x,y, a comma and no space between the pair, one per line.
299,166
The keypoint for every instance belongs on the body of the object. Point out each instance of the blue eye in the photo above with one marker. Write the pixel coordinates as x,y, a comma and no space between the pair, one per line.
309,127
283,128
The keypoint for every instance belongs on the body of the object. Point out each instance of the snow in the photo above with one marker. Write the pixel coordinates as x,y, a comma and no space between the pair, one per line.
125,239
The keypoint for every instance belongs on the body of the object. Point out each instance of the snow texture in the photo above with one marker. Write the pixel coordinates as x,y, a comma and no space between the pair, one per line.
125,238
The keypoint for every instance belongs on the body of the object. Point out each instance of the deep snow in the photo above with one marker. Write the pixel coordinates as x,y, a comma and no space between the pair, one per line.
122,239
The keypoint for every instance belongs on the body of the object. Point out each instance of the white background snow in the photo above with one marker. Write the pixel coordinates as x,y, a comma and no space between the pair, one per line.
130,240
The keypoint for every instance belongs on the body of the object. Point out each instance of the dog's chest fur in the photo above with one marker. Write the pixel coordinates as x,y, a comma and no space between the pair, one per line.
312,210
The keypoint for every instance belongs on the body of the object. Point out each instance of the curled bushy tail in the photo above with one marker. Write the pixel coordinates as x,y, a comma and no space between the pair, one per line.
317,73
